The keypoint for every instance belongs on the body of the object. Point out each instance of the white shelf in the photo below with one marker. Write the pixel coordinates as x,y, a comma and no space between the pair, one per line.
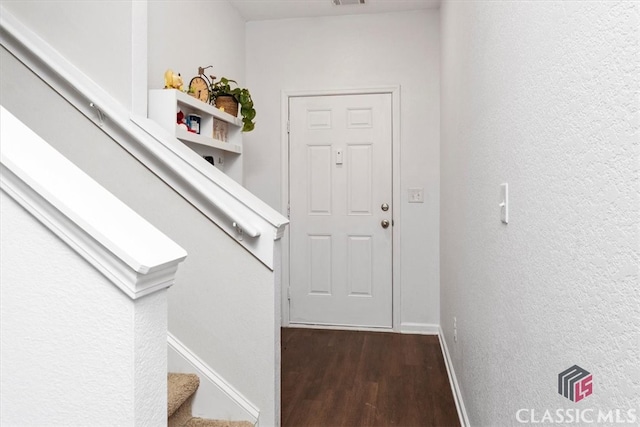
163,106
204,108
184,135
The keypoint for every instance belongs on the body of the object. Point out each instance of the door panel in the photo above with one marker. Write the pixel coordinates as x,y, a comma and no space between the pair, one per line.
340,176
359,179
319,181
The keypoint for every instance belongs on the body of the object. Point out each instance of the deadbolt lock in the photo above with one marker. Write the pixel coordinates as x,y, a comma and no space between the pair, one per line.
384,207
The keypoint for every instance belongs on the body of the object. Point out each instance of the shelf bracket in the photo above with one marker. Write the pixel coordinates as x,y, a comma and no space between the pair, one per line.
239,231
101,115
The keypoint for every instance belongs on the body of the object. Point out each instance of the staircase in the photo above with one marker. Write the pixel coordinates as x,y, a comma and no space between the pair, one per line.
180,394
233,239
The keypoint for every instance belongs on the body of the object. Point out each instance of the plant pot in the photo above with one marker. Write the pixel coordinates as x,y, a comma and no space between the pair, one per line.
229,104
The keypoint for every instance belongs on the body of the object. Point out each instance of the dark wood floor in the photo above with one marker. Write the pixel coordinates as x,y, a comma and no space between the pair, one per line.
344,378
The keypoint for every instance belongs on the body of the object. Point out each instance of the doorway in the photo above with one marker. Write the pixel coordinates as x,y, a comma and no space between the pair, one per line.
341,153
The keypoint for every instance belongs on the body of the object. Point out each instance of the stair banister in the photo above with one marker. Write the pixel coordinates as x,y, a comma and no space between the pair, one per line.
235,219
137,257
238,212
68,244
106,108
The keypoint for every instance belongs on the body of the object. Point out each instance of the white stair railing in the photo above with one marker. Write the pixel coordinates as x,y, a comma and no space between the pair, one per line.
78,342
243,216
242,296
137,257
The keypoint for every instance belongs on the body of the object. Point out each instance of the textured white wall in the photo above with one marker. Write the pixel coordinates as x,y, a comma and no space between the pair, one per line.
67,332
359,52
150,359
95,36
217,306
544,96
75,349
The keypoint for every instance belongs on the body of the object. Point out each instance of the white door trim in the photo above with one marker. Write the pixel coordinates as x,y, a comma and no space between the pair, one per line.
284,194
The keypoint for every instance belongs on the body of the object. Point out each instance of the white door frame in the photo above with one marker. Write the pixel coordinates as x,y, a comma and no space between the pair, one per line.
284,195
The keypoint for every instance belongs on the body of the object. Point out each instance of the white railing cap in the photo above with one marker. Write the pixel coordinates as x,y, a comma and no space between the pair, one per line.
88,207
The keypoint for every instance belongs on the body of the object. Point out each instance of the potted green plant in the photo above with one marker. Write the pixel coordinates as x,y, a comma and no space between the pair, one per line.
223,95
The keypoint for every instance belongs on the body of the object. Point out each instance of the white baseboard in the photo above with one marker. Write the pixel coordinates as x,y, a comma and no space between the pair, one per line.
405,328
455,388
215,398
337,327
419,328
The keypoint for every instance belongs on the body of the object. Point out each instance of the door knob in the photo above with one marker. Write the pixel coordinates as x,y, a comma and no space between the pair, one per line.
385,223
384,207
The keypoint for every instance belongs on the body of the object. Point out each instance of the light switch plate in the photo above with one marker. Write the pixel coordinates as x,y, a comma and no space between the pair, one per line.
416,195
504,203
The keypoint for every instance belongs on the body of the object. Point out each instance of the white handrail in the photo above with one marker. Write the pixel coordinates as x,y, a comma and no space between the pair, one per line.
240,224
106,108
106,232
225,202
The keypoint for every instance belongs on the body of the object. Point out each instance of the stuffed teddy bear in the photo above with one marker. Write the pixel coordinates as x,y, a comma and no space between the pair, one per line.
172,80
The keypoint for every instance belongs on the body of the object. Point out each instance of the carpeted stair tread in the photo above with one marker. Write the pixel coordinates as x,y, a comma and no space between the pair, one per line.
201,422
179,388
180,393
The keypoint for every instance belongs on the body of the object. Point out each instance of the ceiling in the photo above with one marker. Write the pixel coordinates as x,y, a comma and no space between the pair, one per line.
260,10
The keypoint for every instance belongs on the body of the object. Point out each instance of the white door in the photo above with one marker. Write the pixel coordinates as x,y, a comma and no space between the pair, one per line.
341,214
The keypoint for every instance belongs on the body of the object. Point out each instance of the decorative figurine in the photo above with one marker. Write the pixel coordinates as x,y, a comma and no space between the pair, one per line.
181,121
173,81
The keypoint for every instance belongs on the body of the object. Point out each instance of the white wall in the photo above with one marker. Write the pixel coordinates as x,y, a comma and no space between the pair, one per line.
359,52
544,96
186,34
216,308
69,335
95,36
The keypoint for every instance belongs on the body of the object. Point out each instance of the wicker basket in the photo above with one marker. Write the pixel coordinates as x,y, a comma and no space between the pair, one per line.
229,104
